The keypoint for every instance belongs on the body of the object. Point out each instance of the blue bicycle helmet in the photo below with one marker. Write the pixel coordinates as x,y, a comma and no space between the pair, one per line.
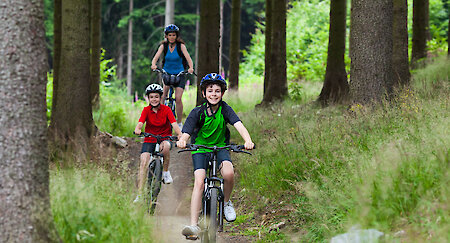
171,28
213,78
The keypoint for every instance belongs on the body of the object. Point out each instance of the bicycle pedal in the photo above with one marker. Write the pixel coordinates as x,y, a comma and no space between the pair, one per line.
191,237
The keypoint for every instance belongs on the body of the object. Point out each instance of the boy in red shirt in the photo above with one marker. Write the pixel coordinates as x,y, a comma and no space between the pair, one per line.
157,118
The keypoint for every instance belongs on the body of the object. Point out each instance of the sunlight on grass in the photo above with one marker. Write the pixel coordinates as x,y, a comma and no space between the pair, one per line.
90,206
385,168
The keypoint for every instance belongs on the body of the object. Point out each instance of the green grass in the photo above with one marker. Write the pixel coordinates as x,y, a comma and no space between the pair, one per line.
89,205
385,168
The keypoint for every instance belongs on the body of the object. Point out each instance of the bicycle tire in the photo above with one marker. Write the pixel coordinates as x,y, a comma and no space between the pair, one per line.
154,183
213,218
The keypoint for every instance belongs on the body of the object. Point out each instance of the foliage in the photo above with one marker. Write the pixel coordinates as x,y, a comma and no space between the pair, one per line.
384,167
306,42
86,207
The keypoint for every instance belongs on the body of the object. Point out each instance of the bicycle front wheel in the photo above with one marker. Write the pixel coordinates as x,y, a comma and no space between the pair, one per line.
154,183
213,219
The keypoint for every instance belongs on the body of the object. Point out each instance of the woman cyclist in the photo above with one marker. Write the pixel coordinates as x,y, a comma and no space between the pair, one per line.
176,58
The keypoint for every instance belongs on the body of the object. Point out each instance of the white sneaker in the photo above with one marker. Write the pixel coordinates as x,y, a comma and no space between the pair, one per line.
191,232
137,199
180,125
167,178
230,214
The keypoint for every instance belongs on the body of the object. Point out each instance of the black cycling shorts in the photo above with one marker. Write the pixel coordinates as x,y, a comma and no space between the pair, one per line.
200,160
150,147
177,82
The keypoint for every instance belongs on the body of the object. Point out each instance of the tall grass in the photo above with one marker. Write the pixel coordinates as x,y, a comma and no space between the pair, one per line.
385,168
90,206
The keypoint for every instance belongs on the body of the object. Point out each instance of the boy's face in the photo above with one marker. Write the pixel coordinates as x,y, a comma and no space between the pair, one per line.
154,99
213,93
171,37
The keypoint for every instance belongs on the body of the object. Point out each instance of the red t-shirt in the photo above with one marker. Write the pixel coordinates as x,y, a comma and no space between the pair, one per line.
157,123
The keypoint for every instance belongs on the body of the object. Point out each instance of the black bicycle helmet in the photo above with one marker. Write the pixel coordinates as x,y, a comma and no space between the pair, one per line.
154,88
213,78
171,28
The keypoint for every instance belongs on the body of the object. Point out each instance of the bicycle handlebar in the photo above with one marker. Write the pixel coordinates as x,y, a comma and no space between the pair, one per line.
232,147
184,72
158,137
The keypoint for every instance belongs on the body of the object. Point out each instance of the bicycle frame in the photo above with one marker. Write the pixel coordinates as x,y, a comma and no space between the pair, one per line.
210,182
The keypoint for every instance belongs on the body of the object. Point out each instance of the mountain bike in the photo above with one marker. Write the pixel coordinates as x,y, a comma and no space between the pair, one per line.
155,169
211,217
171,80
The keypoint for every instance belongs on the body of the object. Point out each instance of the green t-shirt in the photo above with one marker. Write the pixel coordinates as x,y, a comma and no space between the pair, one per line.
210,130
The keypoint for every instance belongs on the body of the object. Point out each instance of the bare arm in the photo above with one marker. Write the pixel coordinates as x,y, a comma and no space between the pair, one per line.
138,128
244,134
188,58
177,129
157,55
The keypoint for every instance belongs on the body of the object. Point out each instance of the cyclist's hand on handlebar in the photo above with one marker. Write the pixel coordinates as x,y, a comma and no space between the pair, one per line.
154,67
137,131
181,144
249,145
190,70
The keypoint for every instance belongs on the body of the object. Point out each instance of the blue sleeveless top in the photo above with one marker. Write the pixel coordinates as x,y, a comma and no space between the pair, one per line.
173,62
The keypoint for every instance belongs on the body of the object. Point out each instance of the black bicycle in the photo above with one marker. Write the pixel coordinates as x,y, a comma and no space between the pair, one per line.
171,80
211,217
155,168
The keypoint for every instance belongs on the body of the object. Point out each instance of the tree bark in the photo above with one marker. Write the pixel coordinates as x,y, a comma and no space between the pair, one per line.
400,59
96,15
267,47
277,85
335,87
170,12
130,52
208,56
24,179
56,50
72,122
370,50
420,31
234,44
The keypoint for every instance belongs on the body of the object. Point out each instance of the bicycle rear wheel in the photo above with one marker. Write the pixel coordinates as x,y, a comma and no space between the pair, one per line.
154,183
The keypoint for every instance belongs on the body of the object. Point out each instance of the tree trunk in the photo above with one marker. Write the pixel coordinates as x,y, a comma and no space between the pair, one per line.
197,33
72,117
400,59
208,56
96,16
268,40
24,179
420,31
130,52
220,37
234,44
370,50
277,86
335,87
170,12
56,50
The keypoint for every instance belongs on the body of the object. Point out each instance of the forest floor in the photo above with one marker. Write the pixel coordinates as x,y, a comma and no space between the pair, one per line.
173,208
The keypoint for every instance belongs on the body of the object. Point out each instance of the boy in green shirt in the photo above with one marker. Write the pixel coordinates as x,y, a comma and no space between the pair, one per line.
207,124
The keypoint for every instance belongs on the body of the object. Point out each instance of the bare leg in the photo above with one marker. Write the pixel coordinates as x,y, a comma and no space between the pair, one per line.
196,199
179,103
165,92
227,172
143,170
165,149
